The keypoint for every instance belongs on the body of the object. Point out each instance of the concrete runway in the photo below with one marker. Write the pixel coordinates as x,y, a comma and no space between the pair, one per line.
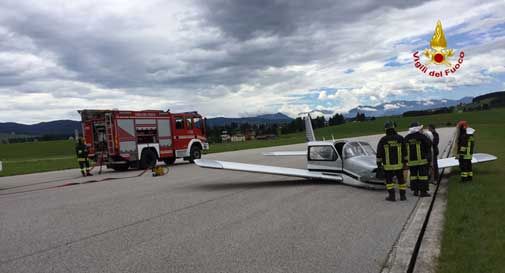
197,220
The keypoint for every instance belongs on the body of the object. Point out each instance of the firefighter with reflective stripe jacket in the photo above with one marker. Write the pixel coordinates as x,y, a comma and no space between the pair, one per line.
82,157
391,158
418,159
466,145
436,141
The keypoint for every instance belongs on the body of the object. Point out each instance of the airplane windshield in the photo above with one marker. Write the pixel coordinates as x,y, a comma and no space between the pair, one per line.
353,149
368,149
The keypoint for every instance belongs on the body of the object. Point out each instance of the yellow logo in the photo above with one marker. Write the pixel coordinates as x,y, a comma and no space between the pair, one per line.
438,54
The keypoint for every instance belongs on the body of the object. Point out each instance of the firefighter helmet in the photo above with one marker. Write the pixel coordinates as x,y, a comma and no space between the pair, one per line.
389,125
415,124
462,124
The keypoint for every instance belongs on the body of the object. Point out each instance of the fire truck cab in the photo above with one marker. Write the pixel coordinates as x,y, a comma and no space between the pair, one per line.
138,139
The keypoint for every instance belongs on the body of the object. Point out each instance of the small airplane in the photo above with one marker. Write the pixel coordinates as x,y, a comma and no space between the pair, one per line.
348,162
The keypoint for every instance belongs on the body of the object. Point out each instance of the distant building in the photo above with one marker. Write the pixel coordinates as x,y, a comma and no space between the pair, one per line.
225,137
250,134
237,138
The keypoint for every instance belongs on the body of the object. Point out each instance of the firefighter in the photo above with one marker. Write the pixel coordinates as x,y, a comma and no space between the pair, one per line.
392,159
82,157
435,142
419,159
466,145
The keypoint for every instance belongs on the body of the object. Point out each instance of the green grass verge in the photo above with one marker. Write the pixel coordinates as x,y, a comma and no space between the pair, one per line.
253,144
36,166
474,229
33,150
23,158
32,157
441,120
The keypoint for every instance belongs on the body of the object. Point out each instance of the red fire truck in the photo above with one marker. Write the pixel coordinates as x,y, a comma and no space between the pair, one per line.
138,139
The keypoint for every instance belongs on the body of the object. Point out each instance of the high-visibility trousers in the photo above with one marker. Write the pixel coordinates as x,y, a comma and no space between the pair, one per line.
390,175
419,177
84,165
465,168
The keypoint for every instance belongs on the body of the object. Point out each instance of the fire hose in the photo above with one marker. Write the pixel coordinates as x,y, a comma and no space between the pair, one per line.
69,183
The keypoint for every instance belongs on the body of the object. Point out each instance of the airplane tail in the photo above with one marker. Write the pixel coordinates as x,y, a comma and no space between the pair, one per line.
309,135
309,132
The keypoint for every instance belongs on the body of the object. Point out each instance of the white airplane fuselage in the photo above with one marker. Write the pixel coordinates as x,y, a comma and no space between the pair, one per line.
355,161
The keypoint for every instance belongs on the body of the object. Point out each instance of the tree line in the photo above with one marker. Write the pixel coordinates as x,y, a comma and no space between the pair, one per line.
295,126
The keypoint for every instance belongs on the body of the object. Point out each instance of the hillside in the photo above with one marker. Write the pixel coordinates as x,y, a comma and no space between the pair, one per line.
57,127
261,119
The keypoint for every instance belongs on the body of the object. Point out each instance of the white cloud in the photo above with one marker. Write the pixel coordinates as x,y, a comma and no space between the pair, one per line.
55,59
294,110
323,95
391,106
367,109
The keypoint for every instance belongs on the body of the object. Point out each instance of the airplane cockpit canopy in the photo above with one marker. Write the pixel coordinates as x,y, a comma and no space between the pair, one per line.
358,148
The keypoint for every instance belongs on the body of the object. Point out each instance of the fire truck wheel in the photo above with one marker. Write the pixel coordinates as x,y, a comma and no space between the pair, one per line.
195,153
170,161
148,159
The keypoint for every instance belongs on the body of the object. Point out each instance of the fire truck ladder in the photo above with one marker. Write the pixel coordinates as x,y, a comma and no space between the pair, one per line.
108,131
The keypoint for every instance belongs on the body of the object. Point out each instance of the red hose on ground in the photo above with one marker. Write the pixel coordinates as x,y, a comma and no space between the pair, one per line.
77,183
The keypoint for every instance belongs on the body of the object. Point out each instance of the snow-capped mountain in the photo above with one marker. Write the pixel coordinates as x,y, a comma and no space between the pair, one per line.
400,106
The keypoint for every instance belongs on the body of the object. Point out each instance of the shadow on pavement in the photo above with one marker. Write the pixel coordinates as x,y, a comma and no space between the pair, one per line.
264,184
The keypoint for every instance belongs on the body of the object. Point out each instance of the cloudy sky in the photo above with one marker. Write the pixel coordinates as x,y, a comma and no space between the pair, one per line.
236,58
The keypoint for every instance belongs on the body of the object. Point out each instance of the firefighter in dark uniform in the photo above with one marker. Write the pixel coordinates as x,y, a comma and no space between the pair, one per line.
436,141
82,157
419,159
466,145
391,158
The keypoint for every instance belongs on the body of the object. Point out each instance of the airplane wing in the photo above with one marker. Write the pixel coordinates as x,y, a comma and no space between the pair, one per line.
452,161
253,168
286,153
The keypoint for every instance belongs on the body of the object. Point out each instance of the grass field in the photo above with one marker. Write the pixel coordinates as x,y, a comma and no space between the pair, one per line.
252,144
23,158
352,129
474,231
34,157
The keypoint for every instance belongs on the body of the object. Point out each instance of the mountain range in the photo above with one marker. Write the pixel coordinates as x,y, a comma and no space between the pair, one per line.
399,107
67,127
261,119
57,127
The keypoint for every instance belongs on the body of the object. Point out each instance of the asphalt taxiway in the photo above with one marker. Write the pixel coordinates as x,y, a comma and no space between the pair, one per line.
197,220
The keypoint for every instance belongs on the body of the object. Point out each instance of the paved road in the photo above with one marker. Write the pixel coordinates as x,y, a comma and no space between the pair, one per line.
196,220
